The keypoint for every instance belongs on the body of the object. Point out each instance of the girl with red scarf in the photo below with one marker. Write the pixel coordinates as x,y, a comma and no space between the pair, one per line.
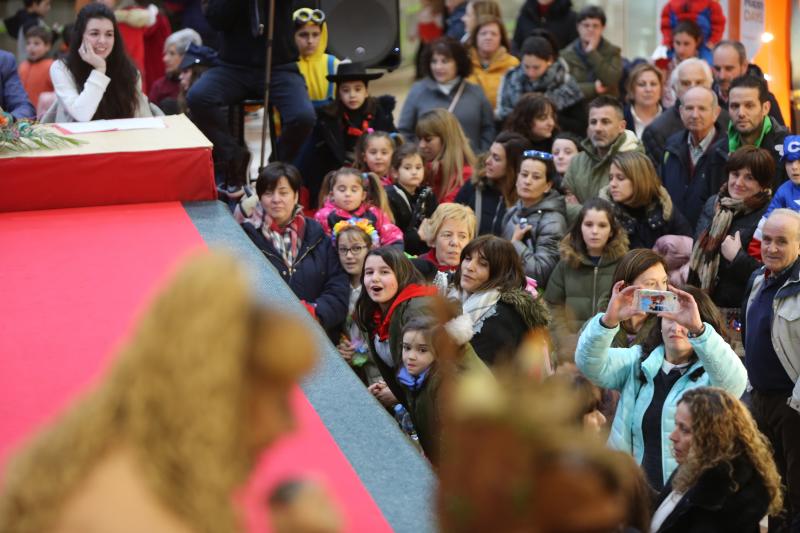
393,292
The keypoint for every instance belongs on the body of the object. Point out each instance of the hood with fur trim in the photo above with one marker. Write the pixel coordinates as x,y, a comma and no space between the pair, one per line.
532,310
614,250
663,200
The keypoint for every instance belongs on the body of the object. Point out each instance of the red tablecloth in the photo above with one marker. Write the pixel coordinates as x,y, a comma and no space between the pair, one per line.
112,168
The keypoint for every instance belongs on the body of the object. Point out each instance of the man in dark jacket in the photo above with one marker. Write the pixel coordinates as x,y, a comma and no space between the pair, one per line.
730,62
750,124
685,170
689,73
454,26
13,98
240,75
555,16
772,353
595,63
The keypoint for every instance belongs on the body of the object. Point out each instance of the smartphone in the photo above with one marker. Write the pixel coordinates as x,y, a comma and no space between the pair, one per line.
649,301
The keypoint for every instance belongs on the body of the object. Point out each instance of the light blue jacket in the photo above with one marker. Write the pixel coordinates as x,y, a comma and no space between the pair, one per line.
619,369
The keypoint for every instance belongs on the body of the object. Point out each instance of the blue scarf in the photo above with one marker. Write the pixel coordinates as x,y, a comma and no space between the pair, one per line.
413,383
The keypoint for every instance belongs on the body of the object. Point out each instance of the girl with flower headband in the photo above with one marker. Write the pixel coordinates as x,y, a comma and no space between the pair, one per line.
353,239
341,123
348,193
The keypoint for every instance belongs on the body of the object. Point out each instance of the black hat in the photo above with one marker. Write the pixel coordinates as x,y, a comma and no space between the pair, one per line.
198,55
352,72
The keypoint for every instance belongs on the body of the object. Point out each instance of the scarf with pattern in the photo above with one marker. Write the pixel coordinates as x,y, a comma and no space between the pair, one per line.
287,238
704,261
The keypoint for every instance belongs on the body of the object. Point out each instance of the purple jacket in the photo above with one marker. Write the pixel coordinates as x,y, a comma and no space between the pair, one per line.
13,98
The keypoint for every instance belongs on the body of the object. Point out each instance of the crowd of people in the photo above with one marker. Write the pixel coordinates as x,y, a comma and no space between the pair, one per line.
534,183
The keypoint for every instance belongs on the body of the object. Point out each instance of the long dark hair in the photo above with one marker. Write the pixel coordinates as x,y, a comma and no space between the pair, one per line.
576,231
405,272
505,266
119,100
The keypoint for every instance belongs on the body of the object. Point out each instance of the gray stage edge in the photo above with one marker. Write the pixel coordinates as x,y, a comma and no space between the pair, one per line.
398,478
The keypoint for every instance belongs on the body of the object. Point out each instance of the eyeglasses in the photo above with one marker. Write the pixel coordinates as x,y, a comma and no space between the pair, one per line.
537,154
355,250
306,14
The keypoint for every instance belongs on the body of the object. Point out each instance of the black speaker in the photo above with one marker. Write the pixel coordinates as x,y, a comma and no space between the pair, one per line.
364,31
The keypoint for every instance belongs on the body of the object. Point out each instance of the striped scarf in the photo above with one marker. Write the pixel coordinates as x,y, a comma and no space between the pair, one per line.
287,238
704,262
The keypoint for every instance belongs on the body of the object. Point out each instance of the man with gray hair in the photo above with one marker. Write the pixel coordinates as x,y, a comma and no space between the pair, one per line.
685,169
730,62
771,337
689,73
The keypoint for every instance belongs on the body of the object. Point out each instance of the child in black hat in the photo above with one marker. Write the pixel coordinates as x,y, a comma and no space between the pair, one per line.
341,123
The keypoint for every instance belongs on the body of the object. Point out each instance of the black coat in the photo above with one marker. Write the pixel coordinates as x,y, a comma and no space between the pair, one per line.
316,277
772,141
408,211
493,206
328,139
712,505
732,276
516,313
644,226
561,21
689,188
237,24
668,123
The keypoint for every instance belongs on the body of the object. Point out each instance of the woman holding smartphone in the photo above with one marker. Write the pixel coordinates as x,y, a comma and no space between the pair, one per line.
97,79
682,351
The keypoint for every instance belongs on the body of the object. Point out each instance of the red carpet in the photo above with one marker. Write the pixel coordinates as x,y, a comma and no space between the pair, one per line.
73,282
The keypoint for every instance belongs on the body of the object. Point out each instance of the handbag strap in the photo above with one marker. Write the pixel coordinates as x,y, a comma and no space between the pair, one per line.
457,97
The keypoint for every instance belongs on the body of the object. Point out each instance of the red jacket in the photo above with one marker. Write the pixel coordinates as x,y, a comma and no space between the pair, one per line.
706,13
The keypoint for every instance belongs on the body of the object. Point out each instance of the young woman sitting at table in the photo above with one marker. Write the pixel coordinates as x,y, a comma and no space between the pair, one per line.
97,79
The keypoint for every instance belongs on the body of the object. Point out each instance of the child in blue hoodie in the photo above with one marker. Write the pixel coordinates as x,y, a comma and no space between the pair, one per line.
788,194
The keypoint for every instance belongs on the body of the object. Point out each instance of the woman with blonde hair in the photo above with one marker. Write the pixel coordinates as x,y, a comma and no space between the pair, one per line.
726,479
177,424
489,52
641,204
447,232
448,158
644,87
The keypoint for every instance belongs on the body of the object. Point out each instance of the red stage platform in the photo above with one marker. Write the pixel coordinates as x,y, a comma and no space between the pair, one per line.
112,168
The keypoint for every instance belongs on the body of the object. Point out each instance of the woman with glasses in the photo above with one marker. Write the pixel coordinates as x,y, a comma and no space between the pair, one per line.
536,223
353,239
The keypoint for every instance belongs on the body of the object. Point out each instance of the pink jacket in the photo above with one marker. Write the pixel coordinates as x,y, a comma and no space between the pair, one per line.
329,215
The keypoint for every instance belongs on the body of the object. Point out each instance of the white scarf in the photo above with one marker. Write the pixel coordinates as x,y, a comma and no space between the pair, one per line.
478,306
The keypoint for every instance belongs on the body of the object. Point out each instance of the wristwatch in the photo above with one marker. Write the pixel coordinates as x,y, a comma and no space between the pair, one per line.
695,335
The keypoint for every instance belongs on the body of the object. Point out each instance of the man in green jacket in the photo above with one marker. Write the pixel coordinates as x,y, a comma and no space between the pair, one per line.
605,137
595,63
